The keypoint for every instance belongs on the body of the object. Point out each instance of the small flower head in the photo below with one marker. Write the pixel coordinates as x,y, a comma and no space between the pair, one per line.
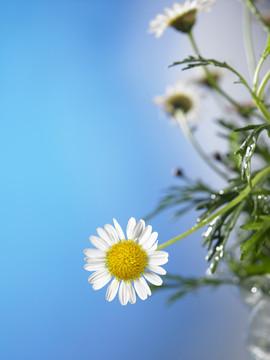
215,73
181,17
181,98
127,261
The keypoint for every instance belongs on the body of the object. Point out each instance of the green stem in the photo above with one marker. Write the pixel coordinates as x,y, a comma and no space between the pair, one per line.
212,80
255,11
258,68
256,74
251,59
258,94
227,207
263,108
182,122
263,84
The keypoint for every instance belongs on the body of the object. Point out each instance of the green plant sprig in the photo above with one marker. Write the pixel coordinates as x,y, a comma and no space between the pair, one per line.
243,194
185,285
247,149
252,7
194,62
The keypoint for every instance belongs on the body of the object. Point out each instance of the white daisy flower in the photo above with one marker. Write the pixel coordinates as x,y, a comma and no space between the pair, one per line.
181,17
181,99
127,261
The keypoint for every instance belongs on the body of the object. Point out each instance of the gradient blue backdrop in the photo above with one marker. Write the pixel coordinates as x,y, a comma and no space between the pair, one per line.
80,143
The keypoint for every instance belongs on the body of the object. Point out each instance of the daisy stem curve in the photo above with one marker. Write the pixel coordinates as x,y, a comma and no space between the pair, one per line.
182,122
212,81
248,41
258,92
260,63
250,4
244,193
263,84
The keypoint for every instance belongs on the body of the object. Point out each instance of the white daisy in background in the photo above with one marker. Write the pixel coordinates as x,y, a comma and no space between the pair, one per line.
127,261
181,17
201,78
181,99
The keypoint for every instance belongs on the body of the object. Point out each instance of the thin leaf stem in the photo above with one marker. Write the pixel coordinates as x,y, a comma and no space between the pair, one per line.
263,84
212,80
258,93
227,207
260,63
262,108
250,4
256,74
182,122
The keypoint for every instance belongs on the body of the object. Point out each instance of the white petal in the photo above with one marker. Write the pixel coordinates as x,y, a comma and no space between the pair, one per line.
132,295
97,275
140,290
130,227
98,243
158,253
157,258
123,293
145,235
119,230
153,278
204,5
98,284
157,269
150,242
145,285
179,7
152,248
112,290
103,234
112,233
94,253
158,25
169,12
93,265
138,229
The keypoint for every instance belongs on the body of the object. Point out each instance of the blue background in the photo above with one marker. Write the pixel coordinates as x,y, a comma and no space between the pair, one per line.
81,142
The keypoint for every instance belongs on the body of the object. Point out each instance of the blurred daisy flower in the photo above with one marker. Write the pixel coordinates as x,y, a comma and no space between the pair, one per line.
181,99
127,261
181,17
201,77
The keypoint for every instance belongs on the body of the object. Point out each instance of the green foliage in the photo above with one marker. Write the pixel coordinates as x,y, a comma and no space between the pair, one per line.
187,196
247,148
255,265
261,231
220,231
192,62
255,11
244,251
181,286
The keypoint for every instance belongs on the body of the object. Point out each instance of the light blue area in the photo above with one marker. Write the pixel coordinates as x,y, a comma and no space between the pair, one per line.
80,143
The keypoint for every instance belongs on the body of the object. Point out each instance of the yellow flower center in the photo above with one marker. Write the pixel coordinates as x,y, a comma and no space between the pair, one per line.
126,260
